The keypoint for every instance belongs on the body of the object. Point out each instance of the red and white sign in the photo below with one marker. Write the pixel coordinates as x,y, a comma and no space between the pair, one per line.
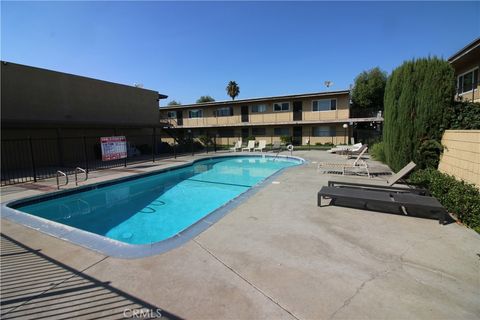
113,148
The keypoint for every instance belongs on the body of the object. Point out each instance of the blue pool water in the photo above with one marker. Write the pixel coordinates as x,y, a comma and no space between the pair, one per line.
157,207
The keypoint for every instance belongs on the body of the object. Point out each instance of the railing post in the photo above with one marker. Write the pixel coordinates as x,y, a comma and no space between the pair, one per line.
85,152
207,142
154,143
215,143
174,150
34,168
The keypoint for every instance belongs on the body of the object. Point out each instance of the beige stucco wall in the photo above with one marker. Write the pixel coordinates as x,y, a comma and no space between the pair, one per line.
461,155
37,96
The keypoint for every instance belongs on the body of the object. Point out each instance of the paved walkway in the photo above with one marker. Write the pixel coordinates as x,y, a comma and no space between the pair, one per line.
279,256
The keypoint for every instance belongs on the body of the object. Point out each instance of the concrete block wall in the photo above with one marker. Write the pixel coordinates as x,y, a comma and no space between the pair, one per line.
461,155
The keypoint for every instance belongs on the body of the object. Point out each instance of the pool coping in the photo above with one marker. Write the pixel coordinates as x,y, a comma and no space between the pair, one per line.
118,249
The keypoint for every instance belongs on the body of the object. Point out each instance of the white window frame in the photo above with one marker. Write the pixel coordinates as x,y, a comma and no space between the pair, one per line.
172,111
195,110
458,80
287,102
336,104
230,110
258,105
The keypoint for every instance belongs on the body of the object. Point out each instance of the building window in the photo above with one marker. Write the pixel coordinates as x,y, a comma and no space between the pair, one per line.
259,108
281,132
467,81
281,106
258,131
226,133
172,114
224,112
323,131
324,105
198,113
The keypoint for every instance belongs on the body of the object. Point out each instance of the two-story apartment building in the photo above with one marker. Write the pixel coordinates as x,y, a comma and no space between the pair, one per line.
466,63
322,117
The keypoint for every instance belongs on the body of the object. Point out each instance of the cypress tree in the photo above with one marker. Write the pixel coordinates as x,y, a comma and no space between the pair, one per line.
418,95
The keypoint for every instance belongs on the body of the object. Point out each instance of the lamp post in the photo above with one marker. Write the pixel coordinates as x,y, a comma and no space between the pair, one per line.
345,126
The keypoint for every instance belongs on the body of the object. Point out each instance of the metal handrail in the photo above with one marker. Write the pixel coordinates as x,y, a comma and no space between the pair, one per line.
77,169
59,173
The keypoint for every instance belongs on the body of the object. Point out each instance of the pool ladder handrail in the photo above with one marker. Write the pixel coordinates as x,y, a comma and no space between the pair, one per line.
61,173
78,169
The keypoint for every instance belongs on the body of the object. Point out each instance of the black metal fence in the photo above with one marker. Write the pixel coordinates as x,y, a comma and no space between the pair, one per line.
33,159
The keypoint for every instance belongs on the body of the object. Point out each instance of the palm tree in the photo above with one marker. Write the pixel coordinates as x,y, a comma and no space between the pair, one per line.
233,89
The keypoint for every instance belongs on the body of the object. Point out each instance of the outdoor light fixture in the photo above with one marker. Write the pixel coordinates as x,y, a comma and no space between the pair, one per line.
345,126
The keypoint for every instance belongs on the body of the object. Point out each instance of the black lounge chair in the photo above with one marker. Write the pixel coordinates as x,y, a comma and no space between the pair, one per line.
399,200
390,184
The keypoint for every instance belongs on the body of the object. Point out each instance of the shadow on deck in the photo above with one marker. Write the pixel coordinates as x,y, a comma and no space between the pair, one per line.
35,286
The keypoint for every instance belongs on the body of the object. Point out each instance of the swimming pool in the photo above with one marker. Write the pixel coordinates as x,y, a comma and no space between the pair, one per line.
155,207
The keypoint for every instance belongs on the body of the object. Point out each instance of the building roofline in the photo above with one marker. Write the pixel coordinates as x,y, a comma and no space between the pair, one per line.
160,96
469,47
260,99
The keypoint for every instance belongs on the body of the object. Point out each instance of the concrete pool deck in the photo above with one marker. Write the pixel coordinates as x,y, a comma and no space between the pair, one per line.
278,255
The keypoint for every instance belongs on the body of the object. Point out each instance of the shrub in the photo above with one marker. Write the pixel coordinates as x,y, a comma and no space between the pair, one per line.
458,197
464,116
250,138
418,96
378,151
428,154
286,139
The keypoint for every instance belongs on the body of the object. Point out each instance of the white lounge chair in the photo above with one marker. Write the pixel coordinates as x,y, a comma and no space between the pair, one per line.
345,148
237,146
355,163
262,144
250,145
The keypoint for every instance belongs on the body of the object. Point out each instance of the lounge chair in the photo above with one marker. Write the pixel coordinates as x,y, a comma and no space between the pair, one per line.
356,152
261,145
250,146
345,148
397,200
277,146
237,146
342,164
343,167
379,184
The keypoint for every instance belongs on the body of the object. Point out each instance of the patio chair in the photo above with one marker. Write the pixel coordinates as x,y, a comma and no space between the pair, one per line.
344,148
250,146
237,146
381,200
341,164
356,152
380,184
277,146
261,145
343,167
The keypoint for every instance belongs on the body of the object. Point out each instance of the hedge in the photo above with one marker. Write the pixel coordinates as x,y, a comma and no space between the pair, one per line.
458,197
418,96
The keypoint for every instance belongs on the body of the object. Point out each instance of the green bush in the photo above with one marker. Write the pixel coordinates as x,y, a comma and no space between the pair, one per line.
250,138
378,151
286,139
464,116
418,97
458,197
